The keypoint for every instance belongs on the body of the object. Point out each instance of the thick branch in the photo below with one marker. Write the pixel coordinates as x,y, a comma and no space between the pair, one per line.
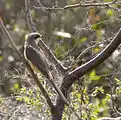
96,61
72,76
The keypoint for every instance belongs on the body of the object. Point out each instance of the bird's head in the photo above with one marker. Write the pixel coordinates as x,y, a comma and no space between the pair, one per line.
33,37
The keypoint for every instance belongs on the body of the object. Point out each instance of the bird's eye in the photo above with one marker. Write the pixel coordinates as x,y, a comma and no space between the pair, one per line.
37,36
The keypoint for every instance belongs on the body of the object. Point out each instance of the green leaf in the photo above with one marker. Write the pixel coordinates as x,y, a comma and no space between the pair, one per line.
97,90
108,0
1,58
110,12
94,26
93,76
118,82
59,51
16,86
118,90
80,41
23,90
1,100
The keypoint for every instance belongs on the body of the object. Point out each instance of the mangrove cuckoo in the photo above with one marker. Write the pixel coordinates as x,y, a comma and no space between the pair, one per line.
37,59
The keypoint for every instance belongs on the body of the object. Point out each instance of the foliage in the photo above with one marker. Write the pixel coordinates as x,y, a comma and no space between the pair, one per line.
68,33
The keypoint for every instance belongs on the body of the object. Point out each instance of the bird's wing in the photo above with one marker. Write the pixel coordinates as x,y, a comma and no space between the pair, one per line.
43,46
37,59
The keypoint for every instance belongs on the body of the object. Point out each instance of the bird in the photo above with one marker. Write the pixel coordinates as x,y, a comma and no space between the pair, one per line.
38,60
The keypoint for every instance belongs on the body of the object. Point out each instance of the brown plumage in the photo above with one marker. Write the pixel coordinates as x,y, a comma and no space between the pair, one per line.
35,56
37,59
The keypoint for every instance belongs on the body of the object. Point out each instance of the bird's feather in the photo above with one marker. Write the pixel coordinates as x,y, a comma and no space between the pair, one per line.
36,58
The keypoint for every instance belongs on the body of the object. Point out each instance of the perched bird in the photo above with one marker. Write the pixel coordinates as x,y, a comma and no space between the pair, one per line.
37,59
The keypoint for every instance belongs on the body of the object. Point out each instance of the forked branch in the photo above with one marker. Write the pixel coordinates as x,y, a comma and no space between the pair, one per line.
72,76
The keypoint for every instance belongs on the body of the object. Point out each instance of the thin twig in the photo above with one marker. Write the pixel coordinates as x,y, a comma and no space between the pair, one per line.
46,49
112,101
45,94
81,4
41,5
89,4
74,75
30,22
103,55
52,57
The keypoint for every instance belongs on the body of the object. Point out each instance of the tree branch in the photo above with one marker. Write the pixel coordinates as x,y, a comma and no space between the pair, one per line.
48,100
41,43
81,4
52,57
72,76
29,20
96,61
89,4
109,118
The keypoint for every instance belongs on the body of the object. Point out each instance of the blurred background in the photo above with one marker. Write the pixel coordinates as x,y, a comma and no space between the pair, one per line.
75,36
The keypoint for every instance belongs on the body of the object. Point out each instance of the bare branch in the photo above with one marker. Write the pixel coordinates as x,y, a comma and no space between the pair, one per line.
81,4
30,22
52,57
112,101
93,63
89,4
45,48
45,94
72,76
109,118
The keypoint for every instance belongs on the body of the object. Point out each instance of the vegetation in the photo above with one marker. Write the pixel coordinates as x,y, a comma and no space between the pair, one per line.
83,38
